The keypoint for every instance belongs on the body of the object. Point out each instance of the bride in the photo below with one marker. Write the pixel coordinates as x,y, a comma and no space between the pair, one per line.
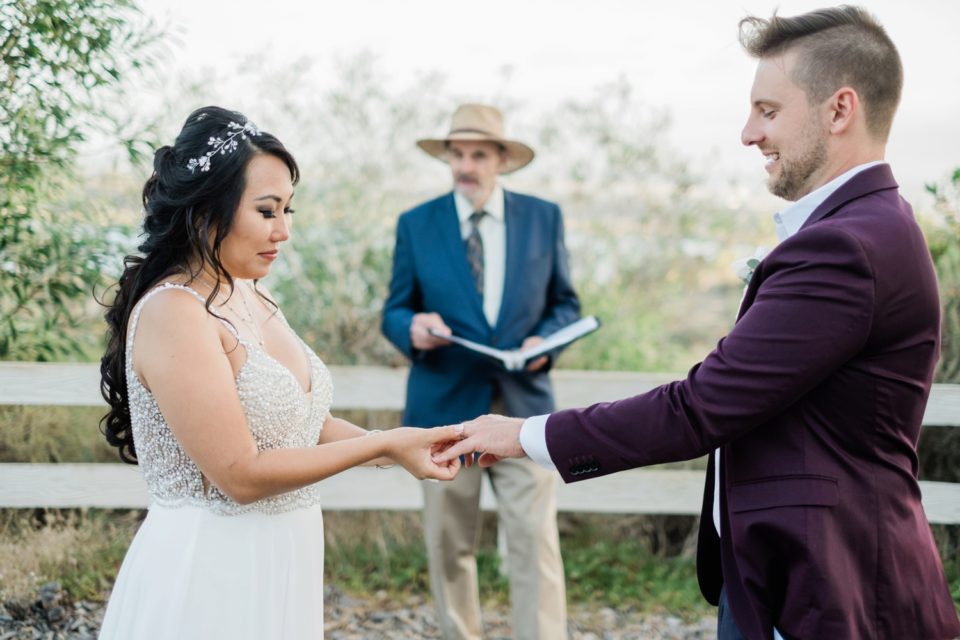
223,406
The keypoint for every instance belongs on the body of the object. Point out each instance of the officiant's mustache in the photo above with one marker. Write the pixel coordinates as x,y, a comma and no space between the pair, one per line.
467,177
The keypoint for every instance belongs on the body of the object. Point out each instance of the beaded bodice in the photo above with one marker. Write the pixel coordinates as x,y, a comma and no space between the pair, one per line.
279,414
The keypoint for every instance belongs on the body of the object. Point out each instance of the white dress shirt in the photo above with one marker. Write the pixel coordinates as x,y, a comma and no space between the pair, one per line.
493,231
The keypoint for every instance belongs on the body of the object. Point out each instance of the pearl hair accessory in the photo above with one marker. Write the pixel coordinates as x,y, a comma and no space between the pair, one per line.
223,146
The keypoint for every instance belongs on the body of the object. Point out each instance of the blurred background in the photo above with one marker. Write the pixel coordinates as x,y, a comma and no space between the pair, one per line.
634,109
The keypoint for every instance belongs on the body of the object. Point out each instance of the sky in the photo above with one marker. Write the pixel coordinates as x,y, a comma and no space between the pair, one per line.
681,56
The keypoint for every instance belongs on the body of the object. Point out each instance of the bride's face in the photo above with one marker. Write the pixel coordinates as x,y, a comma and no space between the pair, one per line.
262,221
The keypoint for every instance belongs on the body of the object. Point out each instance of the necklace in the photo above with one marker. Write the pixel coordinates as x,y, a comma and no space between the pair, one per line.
246,317
248,320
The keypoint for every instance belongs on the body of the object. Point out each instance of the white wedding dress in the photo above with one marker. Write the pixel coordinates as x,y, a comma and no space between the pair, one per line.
202,565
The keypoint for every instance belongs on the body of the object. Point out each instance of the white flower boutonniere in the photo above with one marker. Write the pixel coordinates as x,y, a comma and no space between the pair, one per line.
745,267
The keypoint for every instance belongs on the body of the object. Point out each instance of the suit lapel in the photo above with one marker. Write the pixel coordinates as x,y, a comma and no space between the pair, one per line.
447,225
868,181
877,178
515,232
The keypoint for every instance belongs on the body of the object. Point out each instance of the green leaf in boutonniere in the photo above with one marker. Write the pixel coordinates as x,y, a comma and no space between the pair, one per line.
745,267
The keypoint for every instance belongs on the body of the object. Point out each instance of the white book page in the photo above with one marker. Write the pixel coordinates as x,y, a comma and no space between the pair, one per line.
514,359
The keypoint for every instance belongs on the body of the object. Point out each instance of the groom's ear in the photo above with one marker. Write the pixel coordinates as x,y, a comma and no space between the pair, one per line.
844,109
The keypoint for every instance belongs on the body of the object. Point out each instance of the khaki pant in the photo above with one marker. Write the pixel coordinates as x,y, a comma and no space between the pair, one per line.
526,506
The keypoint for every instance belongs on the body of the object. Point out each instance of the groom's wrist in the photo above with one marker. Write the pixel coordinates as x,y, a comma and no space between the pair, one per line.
533,441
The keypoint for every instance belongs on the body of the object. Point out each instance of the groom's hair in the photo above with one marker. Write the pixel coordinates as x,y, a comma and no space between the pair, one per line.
836,47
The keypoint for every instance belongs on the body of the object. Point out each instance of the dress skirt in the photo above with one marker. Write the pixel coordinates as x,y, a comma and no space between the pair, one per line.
191,573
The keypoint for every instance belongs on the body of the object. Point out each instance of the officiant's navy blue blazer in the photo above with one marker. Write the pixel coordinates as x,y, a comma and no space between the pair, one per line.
431,274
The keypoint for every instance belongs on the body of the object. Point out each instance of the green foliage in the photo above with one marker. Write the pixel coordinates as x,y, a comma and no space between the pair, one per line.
48,270
649,241
940,448
607,560
61,62
624,573
52,434
944,242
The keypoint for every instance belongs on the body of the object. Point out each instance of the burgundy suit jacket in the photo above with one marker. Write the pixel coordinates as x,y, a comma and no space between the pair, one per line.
816,398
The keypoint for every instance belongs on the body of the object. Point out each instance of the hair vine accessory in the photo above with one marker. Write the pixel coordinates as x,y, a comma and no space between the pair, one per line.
222,146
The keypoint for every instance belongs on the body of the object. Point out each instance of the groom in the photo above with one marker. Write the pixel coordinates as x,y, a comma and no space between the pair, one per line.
812,525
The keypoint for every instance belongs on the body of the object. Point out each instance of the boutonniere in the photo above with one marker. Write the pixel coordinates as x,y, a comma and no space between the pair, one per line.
745,267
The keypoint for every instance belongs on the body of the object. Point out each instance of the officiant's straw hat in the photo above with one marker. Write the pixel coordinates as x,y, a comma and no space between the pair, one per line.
480,123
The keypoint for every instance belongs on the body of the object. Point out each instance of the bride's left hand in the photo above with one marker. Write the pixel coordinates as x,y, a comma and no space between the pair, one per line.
414,449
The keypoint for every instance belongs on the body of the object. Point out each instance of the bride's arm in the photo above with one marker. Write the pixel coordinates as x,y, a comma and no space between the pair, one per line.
179,356
336,429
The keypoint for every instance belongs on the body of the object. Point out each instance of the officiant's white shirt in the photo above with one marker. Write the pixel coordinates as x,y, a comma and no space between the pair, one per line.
493,231
533,433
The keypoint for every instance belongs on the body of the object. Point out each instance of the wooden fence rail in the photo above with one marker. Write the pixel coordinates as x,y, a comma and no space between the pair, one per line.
653,491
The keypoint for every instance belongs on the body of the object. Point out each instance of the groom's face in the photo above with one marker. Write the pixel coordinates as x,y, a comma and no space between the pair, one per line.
788,130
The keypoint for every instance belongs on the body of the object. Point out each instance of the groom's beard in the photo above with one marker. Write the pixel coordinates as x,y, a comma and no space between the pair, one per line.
796,172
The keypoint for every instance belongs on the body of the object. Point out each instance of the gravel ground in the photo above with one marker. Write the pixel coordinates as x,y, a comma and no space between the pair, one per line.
50,617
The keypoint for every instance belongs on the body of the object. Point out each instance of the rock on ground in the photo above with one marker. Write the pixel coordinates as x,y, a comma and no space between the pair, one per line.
51,617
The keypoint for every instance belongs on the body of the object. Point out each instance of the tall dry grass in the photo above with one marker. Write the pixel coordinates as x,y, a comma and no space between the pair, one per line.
81,549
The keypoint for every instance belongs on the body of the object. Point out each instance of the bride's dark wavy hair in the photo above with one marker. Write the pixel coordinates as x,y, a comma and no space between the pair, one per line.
188,211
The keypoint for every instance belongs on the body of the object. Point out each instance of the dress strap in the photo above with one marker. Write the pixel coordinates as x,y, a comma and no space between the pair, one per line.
135,316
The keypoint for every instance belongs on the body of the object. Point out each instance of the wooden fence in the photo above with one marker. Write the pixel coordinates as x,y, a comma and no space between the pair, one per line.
654,491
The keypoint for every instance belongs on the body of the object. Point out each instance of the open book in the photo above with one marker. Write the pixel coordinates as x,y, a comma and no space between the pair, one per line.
516,359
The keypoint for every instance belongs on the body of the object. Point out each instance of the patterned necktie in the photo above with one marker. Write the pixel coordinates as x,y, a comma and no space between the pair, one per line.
474,245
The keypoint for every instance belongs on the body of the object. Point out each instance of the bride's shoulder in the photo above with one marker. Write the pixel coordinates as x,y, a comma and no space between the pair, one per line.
167,295
170,308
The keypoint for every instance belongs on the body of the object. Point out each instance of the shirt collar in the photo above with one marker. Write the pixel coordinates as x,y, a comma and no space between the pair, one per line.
494,205
789,220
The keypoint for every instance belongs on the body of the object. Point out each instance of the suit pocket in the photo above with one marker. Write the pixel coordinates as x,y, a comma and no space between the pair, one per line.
783,491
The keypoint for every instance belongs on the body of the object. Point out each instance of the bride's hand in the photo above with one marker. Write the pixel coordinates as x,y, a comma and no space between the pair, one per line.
414,448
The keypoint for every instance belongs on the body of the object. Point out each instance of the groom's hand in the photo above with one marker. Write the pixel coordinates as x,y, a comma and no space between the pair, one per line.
493,437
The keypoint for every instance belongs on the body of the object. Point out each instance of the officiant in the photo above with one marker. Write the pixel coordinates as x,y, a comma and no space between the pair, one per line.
489,265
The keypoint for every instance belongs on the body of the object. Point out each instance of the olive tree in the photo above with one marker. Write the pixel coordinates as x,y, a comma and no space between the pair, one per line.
62,63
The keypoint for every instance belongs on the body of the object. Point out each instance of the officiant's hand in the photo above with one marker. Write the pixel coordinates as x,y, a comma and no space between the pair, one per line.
493,437
539,363
416,450
420,337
